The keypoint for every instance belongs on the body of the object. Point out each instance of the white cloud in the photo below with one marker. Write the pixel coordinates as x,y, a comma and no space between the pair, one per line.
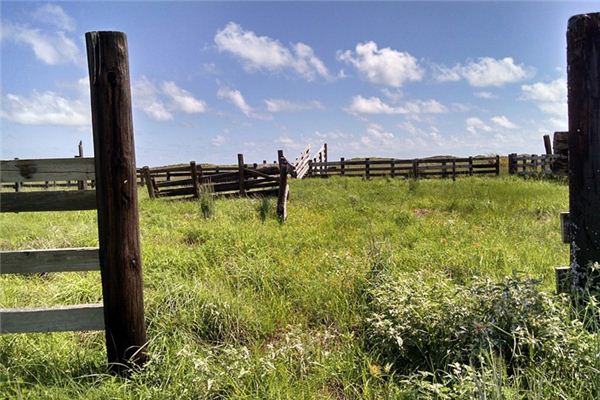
235,97
263,52
485,95
53,14
183,99
53,48
218,140
279,105
384,66
551,97
374,105
45,108
146,98
474,125
504,122
486,71
376,135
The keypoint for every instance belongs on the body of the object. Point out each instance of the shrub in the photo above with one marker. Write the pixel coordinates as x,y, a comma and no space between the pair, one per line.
207,201
422,323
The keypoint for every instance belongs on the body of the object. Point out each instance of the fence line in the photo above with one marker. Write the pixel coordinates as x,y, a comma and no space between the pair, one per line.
415,168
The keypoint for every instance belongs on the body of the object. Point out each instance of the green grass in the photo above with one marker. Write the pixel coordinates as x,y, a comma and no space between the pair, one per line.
239,305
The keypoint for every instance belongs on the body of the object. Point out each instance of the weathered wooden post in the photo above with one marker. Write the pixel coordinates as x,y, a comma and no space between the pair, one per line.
241,174
194,176
283,187
116,198
583,72
148,180
393,167
470,166
497,165
547,144
560,144
342,166
367,168
415,168
82,185
453,169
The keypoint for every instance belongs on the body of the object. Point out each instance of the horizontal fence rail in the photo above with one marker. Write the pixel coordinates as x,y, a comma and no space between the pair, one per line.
73,200
51,169
87,317
51,260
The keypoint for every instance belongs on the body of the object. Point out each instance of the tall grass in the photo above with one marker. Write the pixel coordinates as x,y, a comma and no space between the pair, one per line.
240,306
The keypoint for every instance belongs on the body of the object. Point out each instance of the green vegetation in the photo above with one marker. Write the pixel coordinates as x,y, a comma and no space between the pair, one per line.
371,289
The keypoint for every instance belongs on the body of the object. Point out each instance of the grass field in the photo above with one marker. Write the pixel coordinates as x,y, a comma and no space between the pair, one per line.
371,289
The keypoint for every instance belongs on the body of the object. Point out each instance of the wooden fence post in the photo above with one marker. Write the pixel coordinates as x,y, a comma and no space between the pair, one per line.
415,168
497,165
194,175
453,170
82,185
241,174
393,167
148,180
367,168
547,144
342,166
116,198
583,74
470,166
283,187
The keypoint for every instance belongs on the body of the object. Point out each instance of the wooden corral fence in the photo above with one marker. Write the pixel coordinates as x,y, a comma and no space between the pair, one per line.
49,184
531,164
115,197
189,180
415,168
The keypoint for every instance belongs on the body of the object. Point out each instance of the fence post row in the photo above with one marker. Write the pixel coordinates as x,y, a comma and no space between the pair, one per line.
116,198
583,74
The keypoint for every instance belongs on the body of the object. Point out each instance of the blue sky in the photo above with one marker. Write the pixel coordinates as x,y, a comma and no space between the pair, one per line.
210,80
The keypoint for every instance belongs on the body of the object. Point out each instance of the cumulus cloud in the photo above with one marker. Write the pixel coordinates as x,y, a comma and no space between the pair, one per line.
53,14
183,99
45,108
51,48
161,102
474,125
265,53
146,98
236,98
279,105
504,122
384,66
376,135
486,71
550,97
374,105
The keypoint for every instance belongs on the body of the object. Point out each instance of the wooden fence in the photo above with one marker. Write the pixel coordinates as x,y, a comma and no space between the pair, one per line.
416,168
189,180
115,197
531,164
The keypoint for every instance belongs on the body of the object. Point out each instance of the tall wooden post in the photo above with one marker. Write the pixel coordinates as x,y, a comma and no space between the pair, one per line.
470,166
342,166
194,176
148,180
116,197
497,165
547,144
393,167
367,168
82,185
583,71
512,163
415,168
283,187
241,174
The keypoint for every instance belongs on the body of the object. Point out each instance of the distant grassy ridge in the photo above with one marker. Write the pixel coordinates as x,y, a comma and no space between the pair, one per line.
241,306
